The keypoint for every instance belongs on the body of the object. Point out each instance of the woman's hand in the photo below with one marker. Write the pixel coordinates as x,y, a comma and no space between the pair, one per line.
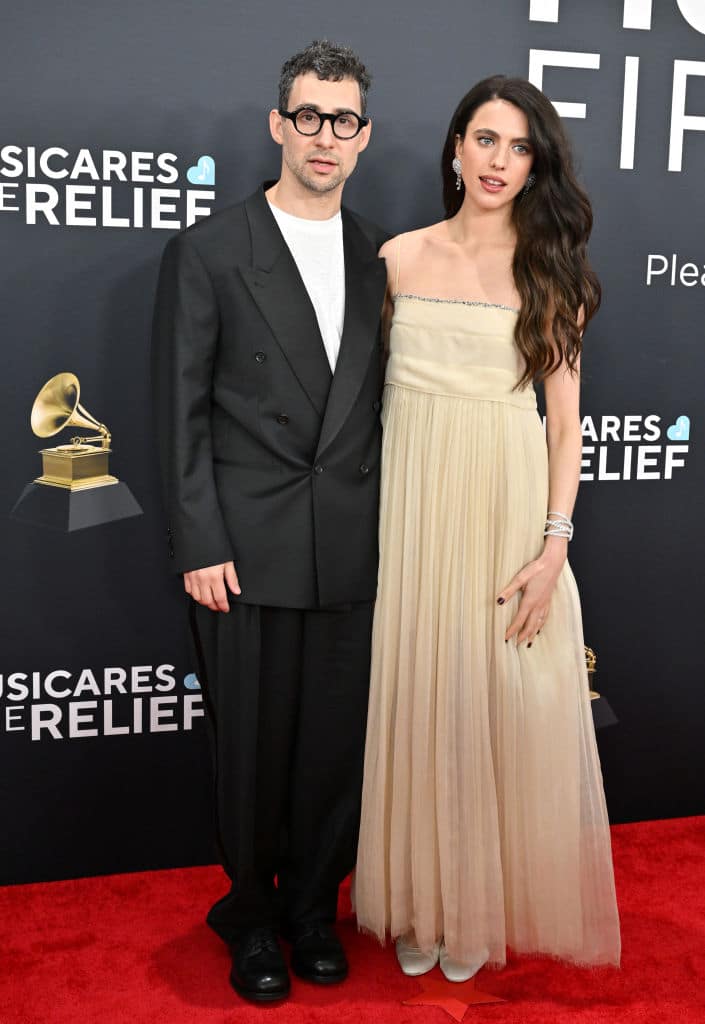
537,581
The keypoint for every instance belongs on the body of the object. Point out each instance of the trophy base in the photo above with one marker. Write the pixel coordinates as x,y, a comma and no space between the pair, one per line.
602,713
75,467
70,509
77,485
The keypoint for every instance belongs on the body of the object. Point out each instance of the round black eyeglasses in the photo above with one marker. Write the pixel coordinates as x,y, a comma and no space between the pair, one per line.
309,122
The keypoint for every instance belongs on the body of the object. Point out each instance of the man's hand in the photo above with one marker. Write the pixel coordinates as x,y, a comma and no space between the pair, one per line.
207,586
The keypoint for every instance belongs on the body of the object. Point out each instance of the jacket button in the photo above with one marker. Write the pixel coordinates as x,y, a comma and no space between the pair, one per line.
260,357
376,406
318,469
283,419
364,469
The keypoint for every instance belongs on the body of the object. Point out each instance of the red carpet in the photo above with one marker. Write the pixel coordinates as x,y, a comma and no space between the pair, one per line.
134,949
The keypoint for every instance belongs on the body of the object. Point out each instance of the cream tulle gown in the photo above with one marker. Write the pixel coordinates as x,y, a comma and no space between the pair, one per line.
483,817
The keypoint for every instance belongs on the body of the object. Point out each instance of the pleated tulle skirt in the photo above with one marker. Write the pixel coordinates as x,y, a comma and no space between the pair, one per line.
483,817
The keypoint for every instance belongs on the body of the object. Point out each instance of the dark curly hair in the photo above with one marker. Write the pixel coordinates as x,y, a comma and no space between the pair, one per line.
553,223
330,62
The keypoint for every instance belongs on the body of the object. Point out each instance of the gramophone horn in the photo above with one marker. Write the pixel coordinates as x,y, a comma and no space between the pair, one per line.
57,406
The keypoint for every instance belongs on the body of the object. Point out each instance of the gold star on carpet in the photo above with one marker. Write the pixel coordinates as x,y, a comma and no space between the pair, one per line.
453,997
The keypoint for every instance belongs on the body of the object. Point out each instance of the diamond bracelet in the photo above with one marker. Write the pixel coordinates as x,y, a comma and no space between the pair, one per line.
558,525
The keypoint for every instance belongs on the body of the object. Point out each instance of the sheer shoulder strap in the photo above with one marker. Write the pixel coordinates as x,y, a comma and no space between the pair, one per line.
398,267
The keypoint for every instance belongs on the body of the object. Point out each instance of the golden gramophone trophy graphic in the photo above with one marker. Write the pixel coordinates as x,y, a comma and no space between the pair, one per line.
602,713
75,489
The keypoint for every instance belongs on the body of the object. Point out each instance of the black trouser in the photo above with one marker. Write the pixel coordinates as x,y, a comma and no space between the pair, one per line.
286,692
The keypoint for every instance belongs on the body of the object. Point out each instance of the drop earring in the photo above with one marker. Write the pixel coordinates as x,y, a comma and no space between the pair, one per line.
457,167
530,182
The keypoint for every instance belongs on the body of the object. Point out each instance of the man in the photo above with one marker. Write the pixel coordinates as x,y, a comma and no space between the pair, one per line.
267,378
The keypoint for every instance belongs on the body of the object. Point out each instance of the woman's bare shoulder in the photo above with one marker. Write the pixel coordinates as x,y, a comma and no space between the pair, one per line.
411,243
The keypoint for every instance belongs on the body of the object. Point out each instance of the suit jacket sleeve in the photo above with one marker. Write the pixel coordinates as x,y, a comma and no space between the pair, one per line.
184,342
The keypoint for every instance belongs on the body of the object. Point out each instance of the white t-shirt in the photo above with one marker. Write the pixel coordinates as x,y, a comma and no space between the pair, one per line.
317,248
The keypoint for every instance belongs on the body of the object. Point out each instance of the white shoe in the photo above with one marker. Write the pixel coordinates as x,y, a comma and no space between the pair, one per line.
412,960
456,970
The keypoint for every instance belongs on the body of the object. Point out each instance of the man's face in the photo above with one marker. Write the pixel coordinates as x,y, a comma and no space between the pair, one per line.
320,163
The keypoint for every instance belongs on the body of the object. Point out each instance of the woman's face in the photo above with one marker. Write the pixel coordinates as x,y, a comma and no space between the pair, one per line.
495,153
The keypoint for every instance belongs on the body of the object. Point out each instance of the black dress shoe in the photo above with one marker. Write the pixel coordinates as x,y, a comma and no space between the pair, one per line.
259,972
317,955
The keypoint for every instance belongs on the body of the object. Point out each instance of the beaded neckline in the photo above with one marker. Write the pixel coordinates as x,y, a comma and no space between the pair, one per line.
456,302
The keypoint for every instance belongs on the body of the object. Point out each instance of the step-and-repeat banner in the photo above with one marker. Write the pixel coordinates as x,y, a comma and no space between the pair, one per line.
123,124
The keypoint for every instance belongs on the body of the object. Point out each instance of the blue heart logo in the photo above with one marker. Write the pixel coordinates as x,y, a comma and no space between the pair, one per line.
191,681
680,430
203,172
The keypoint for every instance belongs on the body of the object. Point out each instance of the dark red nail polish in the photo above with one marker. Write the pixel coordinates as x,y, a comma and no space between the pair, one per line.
500,600
529,644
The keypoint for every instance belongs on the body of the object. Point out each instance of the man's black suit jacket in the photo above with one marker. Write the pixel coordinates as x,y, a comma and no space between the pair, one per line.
269,459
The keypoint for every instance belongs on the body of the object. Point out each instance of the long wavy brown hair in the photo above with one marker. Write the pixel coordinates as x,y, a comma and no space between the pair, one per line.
559,290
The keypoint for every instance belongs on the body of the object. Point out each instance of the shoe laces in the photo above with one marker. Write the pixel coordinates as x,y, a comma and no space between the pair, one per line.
319,936
262,942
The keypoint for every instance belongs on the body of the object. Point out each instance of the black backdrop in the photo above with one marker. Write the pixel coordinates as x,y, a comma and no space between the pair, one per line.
97,606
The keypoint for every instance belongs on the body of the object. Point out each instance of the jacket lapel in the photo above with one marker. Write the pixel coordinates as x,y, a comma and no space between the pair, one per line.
276,286
365,283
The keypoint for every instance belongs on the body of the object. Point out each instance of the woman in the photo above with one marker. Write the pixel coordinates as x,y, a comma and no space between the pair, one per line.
484,821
